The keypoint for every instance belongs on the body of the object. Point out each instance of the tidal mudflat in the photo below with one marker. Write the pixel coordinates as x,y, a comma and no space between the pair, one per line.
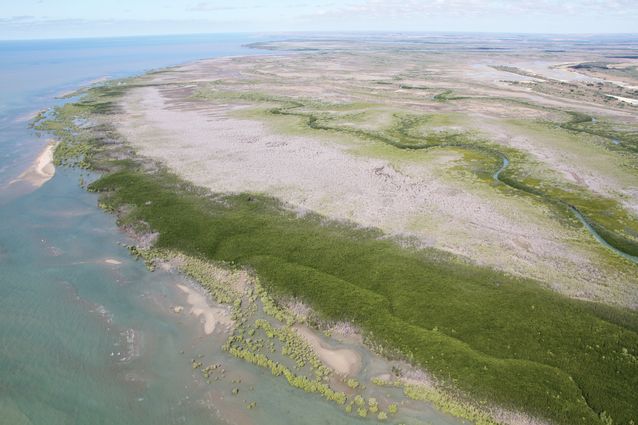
467,211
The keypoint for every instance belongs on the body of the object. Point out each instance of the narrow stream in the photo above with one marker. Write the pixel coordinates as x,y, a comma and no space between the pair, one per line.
576,213
504,165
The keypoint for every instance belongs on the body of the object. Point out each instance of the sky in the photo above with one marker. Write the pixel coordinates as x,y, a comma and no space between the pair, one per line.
31,19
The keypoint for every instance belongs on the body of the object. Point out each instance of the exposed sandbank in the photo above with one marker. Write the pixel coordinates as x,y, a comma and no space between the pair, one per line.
28,116
209,316
41,170
342,360
112,261
77,91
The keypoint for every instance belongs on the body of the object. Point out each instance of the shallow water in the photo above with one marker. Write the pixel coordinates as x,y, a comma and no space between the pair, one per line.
83,341
88,334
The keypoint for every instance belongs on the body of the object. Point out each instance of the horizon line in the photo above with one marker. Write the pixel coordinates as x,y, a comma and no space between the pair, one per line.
352,32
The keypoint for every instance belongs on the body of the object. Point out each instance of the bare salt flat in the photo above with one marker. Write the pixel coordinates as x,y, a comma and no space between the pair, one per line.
224,154
418,195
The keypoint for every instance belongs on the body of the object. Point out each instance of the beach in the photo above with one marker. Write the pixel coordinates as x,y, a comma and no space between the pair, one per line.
41,170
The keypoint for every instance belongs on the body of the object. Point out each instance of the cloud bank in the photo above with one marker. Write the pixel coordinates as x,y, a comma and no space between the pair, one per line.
148,17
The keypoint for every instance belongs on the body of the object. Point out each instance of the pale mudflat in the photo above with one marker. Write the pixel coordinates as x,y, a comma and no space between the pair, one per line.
210,316
207,122
343,361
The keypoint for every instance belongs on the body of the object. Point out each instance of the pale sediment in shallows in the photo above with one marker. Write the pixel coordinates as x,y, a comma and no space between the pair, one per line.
343,361
209,315
41,170
112,261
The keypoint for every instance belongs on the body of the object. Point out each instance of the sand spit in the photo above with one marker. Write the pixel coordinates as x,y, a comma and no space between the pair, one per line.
342,360
82,88
41,170
210,316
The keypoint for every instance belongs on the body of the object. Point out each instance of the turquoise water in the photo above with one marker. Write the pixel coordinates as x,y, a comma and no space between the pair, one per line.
79,336
87,334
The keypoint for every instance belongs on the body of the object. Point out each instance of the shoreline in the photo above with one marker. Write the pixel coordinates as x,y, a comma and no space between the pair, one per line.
238,290
205,328
29,116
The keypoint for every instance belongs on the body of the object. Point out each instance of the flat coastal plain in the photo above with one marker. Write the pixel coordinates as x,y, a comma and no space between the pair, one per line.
241,125
464,205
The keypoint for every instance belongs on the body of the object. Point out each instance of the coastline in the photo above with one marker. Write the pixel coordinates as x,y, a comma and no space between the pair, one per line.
240,292
206,320
63,261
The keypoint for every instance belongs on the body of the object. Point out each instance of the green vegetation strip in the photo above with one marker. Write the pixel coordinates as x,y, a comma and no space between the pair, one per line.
503,340
499,338
263,336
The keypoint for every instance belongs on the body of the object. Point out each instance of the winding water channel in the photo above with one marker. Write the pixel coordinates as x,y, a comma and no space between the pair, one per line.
317,124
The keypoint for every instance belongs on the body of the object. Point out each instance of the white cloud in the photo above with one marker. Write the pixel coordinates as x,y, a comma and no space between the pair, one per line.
591,16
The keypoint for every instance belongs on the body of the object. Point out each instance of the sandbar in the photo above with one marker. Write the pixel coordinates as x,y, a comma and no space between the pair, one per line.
112,261
342,360
210,316
41,170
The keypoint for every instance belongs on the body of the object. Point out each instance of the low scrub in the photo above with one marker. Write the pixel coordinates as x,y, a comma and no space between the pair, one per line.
502,339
